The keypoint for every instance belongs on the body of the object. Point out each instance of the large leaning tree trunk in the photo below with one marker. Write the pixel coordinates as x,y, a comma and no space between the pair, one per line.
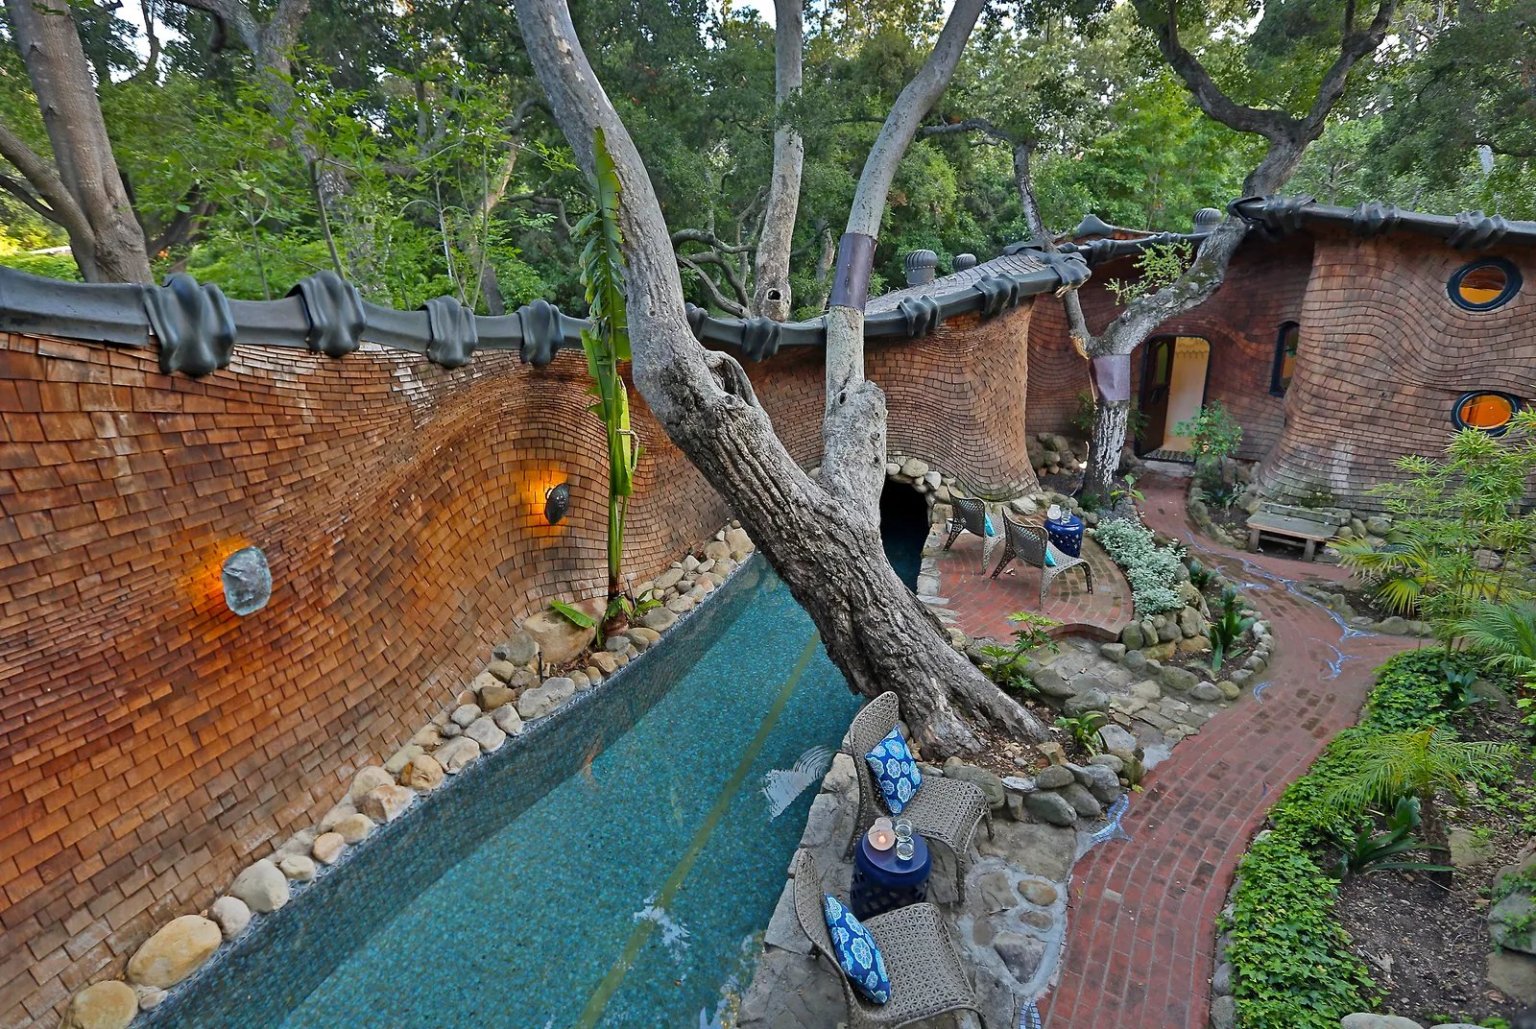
771,294
821,534
82,190
1288,137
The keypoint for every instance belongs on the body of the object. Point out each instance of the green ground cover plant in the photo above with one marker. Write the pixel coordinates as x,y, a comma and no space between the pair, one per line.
1151,570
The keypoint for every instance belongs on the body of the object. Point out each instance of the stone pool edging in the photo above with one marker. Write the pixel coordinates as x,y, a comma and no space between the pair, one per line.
503,701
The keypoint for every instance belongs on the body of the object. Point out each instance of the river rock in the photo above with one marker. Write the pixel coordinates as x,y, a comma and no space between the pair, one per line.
1041,894
606,661
1100,780
1081,800
1049,682
424,772
1365,1020
355,828
328,847
483,731
990,784
1467,851
106,1005
261,886
1208,692
519,649
1114,738
1513,973
560,640
1393,625
1175,678
497,696
914,469
1054,777
1190,622
402,757
457,753
231,914
509,721
366,779
1223,1013
1020,953
658,619
388,803
462,716
1112,651
541,700
1092,699
740,543
1052,808
1510,922
1131,636
300,868
175,952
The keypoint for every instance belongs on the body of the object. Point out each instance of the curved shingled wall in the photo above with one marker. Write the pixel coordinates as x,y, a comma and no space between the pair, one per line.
151,742
1383,356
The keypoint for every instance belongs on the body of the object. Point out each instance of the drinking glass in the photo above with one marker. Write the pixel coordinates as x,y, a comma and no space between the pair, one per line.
905,849
903,830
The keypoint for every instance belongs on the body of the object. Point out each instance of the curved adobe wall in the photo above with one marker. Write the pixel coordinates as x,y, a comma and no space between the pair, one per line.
151,742
1263,289
1384,354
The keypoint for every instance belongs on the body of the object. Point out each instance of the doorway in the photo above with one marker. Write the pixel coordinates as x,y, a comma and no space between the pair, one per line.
1174,371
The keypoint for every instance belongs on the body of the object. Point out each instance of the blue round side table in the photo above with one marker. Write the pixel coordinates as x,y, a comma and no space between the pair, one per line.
883,882
1066,534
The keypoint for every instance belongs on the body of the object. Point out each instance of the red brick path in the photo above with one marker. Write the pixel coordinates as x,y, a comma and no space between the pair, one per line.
982,604
1141,919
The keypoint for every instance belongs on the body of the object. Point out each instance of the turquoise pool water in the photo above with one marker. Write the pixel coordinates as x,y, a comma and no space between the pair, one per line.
613,870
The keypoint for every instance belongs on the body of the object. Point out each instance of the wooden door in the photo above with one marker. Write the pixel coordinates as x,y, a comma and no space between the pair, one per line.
1156,373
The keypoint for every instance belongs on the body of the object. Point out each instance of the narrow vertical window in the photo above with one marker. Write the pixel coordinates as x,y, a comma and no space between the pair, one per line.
1285,358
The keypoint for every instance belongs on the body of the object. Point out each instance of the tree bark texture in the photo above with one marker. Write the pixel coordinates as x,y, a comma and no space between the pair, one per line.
106,238
828,552
771,297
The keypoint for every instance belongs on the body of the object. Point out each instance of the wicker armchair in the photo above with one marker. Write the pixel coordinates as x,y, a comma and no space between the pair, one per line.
946,810
970,516
926,976
1031,545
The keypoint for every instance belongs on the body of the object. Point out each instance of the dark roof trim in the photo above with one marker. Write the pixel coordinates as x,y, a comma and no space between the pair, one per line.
197,327
1276,216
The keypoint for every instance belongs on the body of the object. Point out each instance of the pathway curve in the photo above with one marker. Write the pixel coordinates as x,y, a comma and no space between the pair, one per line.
1141,921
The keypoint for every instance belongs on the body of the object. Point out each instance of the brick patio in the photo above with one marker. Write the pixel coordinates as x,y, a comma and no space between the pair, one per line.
981,604
1141,921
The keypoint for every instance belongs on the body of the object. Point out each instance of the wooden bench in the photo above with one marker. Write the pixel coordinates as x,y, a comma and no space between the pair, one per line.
1295,524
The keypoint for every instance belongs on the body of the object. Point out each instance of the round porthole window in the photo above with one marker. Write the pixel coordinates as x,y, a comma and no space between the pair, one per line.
1486,410
1484,285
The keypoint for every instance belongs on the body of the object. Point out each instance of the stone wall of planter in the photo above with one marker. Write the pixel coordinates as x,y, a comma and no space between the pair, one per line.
543,663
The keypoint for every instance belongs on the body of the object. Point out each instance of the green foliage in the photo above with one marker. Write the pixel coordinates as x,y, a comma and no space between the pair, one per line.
49,266
1201,577
1160,265
1391,765
1227,627
575,615
1370,850
1084,729
622,605
1292,965
607,343
1447,511
1214,436
1010,663
1151,570
1129,492
1505,634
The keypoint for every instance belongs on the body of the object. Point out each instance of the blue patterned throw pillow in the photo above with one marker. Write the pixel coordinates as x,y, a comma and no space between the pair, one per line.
895,771
856,952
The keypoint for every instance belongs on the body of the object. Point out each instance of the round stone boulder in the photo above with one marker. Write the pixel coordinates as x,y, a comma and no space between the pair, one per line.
366,779
232,915
423,772
328,847
176,951
1054,777
1091,699
355,828
262,886
1366,1020
1050,807
559,639
108,1005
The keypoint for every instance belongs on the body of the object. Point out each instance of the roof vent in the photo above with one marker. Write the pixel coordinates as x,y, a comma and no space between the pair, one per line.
1207,218
964,261
920,265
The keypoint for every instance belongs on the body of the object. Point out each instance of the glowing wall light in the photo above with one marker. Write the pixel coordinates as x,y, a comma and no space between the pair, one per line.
557,501
247,581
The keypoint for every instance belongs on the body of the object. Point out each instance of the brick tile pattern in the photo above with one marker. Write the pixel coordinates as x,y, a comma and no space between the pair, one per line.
151,742
1264,289
1383,356
982,604
1141,917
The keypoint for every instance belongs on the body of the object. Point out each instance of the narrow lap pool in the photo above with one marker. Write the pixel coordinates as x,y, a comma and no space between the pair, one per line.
611,870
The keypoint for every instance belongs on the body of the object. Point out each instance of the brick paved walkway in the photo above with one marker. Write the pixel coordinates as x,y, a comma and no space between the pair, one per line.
982,604
1141,921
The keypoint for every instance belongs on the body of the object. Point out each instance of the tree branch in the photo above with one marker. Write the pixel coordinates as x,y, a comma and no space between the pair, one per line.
61,207
981,125
715,295
708,239
1216,104
19,190
1354,46
231,13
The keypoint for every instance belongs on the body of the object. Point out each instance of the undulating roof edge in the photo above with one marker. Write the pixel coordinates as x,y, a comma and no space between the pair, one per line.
1273,217
197,327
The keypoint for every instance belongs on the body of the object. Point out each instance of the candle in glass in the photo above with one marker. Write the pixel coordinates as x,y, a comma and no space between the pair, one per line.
881,834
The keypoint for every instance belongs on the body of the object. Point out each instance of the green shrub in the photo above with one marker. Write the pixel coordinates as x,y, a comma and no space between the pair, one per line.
1151,570
1291,962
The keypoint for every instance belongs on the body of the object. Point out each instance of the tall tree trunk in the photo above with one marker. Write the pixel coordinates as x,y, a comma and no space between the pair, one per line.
113,251
822,536
771,294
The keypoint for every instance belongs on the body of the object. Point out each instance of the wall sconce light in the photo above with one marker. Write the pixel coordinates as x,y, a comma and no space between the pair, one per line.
557,501
247,581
